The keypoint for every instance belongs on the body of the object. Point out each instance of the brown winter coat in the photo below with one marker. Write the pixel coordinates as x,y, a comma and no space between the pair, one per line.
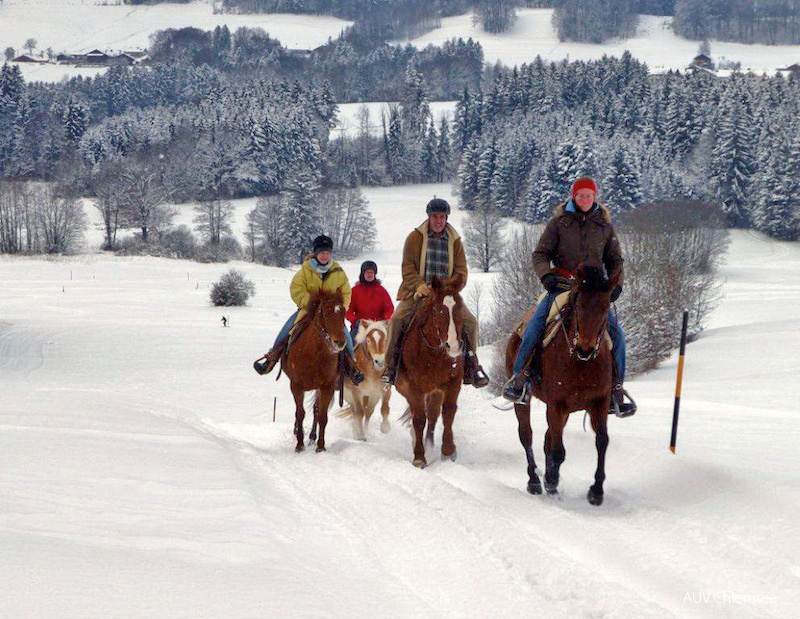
573,238
414,252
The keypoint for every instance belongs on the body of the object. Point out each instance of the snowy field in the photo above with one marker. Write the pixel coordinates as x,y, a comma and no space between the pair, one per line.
55,72
654,43
75,27
142,474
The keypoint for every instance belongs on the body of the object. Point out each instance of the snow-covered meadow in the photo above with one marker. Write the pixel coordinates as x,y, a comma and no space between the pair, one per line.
141,473
75,27
654,43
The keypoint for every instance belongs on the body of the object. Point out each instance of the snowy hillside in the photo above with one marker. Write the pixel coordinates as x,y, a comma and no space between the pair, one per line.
79,27
142,474
654,43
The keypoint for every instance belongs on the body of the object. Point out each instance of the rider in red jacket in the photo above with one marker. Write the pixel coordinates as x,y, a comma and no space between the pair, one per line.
370,301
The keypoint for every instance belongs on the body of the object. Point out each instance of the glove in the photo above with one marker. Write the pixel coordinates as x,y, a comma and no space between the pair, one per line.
615,293
550,282
423,290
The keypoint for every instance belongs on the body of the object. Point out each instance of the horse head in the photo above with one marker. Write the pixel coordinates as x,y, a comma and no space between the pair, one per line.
442,319
591,300
327,311
372,334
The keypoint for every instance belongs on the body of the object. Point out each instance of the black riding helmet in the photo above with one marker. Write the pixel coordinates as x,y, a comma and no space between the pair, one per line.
368,264
322,243
437,205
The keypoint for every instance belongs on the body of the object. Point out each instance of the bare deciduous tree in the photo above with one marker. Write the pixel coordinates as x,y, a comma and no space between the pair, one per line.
106,185
264,233
143,200
347,219
483,229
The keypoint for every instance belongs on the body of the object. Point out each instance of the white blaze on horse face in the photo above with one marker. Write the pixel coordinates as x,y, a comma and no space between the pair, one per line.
453,348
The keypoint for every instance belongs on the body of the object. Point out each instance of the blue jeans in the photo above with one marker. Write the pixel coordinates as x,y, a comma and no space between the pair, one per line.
534,331
284,333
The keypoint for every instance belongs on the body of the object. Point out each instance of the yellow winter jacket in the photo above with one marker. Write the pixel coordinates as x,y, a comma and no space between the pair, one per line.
307,280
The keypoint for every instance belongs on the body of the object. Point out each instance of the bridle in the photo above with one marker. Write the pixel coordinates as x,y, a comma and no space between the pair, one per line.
573,344
323,331
441,347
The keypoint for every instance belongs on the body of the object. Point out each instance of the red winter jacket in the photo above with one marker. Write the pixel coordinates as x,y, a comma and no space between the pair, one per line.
369,302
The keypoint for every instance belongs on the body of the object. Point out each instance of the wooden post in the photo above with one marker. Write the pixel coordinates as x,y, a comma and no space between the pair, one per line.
678,383
274,407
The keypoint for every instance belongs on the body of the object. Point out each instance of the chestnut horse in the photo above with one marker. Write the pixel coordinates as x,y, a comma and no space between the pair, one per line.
432,368
312,363
371,342
576,375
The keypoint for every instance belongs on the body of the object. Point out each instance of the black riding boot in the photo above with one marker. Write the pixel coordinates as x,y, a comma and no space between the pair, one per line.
473,372
517,389
351,369
270,359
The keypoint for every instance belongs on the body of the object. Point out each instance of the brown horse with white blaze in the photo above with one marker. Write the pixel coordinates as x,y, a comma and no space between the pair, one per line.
576,374
432,365
312,362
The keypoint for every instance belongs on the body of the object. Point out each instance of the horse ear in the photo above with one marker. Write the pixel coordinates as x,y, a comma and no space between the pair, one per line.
436,283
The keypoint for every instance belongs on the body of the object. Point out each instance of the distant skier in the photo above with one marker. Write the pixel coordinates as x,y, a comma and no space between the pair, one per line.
224,321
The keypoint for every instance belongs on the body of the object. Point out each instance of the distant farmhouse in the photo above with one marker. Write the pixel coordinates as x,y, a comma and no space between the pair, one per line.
98,57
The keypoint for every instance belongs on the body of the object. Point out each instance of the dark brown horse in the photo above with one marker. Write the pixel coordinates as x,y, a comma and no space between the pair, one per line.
576,375
312,363
432,366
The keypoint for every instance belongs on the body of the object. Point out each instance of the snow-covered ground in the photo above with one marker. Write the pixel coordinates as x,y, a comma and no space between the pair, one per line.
76,27
348,116
141,473
654,43
35,72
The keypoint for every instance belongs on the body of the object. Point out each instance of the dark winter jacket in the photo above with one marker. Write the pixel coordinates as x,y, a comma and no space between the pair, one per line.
571,238
370,301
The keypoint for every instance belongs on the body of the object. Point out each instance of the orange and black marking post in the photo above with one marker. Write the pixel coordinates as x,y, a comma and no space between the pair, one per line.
674,436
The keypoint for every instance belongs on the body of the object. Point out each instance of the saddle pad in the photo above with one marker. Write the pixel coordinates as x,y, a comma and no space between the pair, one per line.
559,302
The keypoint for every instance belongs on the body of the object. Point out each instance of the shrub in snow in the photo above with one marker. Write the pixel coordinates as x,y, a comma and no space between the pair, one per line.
232,289
672,252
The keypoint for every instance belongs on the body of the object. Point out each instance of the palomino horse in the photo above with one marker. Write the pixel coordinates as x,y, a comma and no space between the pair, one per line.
432,366
371,341
312,363
576,375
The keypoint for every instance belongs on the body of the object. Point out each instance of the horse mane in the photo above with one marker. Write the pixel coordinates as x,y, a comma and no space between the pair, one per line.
317,298
593,279
363,329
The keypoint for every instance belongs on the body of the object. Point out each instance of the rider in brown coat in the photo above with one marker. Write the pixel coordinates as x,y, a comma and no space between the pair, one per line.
434,248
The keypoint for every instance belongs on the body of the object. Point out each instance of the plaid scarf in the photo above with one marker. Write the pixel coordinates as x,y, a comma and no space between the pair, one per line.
436,259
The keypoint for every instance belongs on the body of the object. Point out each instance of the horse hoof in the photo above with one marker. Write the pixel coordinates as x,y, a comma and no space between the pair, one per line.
312,436
551,488
451,457
319,449
535,486
298,449
594,498
420,463
385,427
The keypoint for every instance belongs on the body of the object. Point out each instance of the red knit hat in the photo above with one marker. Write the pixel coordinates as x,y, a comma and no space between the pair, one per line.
583,183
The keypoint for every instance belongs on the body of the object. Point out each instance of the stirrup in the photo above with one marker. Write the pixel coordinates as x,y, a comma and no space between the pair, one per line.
515,394
479,378
627,409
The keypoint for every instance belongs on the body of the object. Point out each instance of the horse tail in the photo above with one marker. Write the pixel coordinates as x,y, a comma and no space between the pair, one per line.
405,418
345,412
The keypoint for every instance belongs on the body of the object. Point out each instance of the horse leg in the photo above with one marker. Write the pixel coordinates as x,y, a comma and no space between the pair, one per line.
313,434
448,415
324,397
368,407
358,419
299,415
554,447
433,407
385,395
418,420
599,417
525,437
